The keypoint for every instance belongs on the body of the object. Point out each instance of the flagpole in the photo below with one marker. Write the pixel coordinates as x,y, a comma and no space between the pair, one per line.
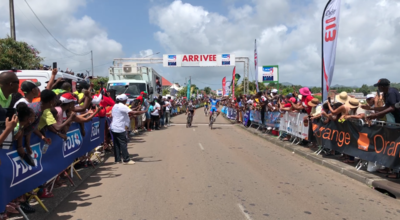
322,48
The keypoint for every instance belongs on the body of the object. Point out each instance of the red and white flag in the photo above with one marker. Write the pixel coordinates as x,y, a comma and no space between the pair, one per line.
330,32
256,63
223,86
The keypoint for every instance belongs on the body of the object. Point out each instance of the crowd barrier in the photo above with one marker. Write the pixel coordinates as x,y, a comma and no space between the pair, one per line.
292,123
271,119
17,177
376,143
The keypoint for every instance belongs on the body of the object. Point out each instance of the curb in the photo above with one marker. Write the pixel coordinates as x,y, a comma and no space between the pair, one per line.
347,170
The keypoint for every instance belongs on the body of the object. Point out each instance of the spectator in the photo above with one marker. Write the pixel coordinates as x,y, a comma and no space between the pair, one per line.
306,97
30,90
105,101
155,114
146,107
47,119
343,98
120,114
168,108
161,101
10,124
391,96
81,85
9,84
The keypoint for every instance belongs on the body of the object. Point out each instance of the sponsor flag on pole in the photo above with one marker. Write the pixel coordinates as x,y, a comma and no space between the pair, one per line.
330,31
256,63
233,81
223,86
188,89
228,88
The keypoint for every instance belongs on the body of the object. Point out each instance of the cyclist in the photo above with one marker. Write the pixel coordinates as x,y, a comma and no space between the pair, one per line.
206,102
190,108
214,101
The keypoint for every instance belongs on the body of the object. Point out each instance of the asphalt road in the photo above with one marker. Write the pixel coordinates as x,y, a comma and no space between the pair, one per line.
225,173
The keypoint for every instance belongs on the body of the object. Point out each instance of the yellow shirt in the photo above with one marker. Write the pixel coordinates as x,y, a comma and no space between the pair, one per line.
4,102
80,95
47,119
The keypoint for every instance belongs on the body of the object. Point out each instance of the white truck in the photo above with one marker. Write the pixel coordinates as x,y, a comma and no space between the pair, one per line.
133,80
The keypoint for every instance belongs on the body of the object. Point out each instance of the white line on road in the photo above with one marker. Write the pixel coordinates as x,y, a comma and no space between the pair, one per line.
244,213
201,146
217,125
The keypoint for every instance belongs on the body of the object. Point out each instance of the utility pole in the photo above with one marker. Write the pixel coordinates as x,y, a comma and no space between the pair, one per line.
12,20
91,52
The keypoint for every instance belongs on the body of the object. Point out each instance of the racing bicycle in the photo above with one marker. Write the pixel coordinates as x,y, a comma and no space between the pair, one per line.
205,110
213,118
189,120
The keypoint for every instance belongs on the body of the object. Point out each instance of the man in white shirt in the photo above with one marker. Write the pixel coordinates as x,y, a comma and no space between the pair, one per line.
120,120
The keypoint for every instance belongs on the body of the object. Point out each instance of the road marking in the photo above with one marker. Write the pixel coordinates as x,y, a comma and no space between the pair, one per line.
222,125
194,129
201,146
244,213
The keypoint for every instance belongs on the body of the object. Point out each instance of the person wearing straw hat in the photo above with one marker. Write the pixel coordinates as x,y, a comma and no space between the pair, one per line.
315,106
355,112
342,97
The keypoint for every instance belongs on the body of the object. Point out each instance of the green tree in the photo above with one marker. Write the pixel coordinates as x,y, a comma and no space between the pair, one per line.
18,54
365,89
207,90
165,92
183,92
96,82
315,90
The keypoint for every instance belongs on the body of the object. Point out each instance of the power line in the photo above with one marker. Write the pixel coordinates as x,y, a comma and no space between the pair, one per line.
52,34
94,66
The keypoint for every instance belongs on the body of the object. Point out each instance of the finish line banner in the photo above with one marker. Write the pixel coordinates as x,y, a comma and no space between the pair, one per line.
18,178
379,144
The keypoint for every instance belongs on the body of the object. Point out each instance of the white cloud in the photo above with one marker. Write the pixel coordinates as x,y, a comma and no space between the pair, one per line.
289,34
80,35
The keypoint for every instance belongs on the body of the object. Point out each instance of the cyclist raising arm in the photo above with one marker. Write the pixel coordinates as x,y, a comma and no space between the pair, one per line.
214,102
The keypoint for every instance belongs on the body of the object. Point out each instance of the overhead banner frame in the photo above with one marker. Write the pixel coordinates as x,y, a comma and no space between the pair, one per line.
198,60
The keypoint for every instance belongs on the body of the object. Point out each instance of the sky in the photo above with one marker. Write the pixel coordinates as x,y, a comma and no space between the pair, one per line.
288,33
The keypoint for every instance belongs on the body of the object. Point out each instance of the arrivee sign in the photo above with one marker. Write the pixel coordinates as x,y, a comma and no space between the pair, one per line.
199,60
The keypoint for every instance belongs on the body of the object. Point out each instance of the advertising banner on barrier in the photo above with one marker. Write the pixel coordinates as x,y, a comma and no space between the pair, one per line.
292,123
17,177
376,143
246,117
272,119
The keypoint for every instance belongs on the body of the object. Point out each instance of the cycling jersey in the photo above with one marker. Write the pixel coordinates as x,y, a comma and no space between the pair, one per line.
214,102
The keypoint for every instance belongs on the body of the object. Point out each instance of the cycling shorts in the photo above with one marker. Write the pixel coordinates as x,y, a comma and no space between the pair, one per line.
213,109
